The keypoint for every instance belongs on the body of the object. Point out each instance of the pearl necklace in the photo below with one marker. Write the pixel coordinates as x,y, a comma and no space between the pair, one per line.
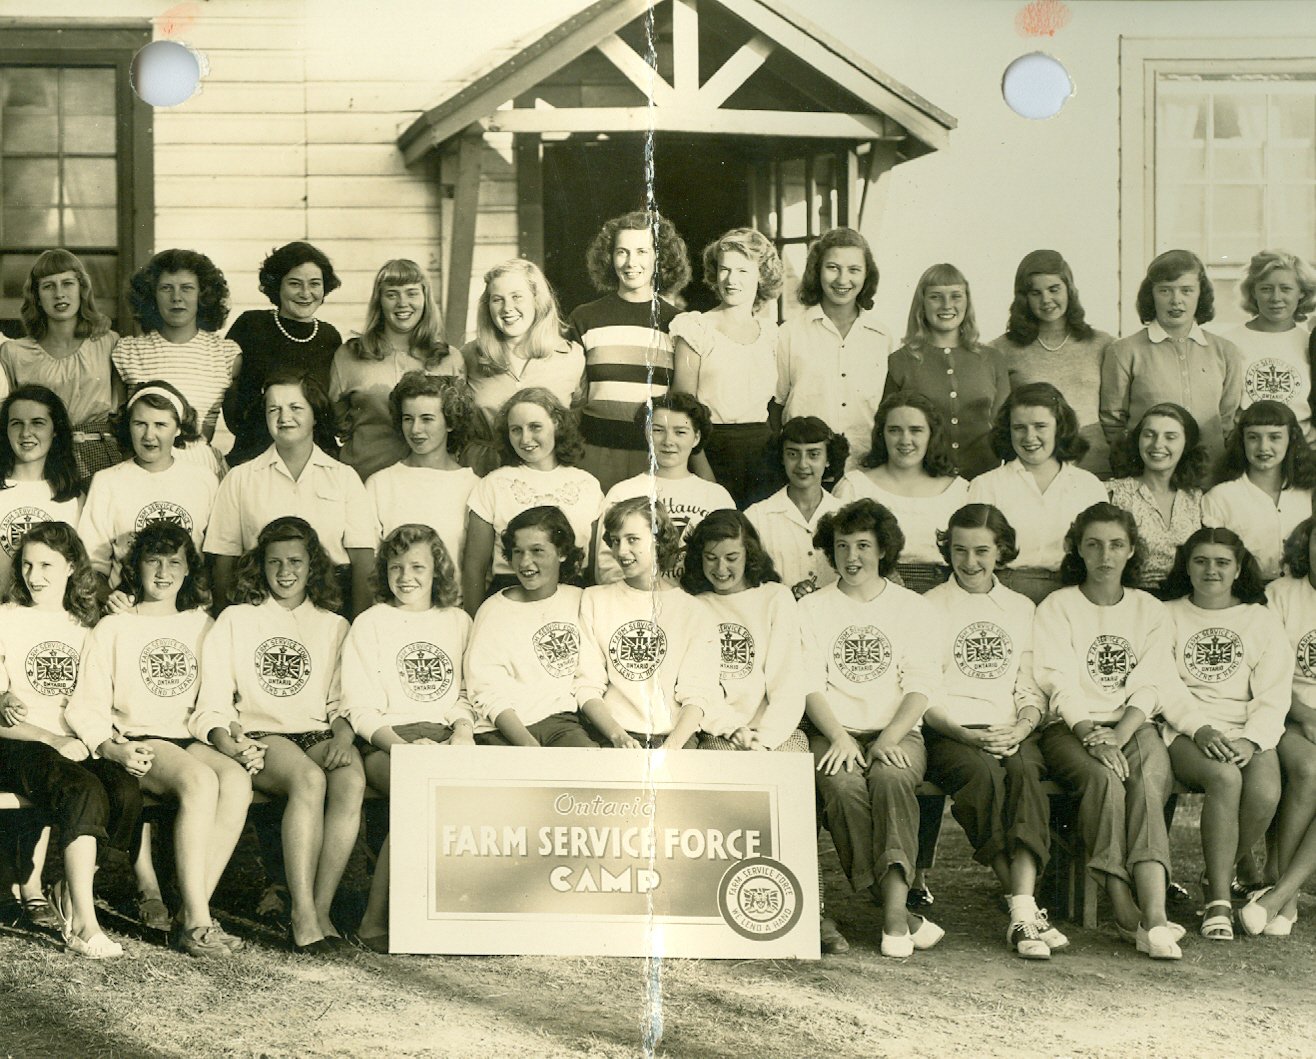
1052,349
315,328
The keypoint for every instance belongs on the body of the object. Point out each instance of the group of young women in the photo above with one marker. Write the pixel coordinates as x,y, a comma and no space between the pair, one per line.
642,528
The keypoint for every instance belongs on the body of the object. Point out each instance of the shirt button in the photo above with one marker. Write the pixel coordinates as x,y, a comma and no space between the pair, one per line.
843,375
950,371
954,422
954,444
953,393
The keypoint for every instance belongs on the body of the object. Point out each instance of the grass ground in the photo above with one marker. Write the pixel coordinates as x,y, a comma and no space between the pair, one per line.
968,997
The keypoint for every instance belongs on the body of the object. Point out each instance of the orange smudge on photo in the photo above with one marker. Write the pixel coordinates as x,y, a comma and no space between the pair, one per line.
178,19
1042,18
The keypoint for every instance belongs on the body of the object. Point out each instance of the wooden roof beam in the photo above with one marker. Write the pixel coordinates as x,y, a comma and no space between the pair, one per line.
685,48
736,71
691,119
636,69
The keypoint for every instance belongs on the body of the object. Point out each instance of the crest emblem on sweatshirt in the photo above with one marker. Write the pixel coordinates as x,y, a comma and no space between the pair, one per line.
862,653
162,511
983,650
1213,655
52,668
425,671
17,523
1110,659
1306,655
1270,379
283,666
637,649
168,667
737,650
557,646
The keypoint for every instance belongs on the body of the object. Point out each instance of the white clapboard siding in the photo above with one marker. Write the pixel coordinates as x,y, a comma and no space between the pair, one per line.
184,192
268,130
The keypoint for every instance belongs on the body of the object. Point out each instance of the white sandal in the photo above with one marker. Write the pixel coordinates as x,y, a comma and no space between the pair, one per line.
96,947
1220,926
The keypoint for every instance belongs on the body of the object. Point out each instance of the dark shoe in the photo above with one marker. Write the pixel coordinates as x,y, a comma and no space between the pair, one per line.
153,914
919,898
318,947
833,941
39,914
372,943
201,942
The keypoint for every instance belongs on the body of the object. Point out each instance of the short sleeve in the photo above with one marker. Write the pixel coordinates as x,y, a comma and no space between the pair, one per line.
482,501
691,329
224,533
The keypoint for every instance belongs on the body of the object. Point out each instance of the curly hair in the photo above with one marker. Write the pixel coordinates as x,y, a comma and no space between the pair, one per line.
1170,266
1070,447
687,405
250,585
80,592
282,260
671,270
810,430
212,289
1073,570
555,526
917,333
859,516
1249,586
1189,472
92,323
1022,327
725,524
444,590
324,432
1297,549
488,355
937,459
121,421
666,537
166,538
810,291
1297,470
981,516
1268,261
60,470
753,244
425,339
568,445
454,395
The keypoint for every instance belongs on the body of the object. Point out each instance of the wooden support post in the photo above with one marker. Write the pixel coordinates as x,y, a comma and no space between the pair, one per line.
530,197
465,213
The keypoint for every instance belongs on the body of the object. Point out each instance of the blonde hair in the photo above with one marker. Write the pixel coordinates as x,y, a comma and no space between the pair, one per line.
917,333
489,355
426,337
1268,261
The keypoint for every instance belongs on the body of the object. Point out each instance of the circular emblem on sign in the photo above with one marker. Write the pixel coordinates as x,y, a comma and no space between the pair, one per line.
557,646
283,666
759,898
52,668
737,650
1306,656
982,650
862,653
1213,655
17,523
168,666
1270,379
162,511
1110,658
637,649
425,671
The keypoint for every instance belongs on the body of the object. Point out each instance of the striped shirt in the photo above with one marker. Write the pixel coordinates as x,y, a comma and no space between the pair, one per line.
202,368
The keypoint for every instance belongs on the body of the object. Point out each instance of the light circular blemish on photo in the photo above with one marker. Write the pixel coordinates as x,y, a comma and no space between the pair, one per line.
1036,86
165,73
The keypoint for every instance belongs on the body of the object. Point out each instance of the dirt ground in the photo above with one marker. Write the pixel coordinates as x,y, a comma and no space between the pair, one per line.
968,997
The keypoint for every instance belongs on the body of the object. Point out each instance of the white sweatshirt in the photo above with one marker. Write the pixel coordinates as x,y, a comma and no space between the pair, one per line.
1294,602
273,669
1260,521
39,653
402,666
687,500
22,504
523,656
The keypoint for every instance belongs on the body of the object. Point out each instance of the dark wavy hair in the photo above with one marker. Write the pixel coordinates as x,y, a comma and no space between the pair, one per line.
80,592
1073,571
725,524
322,588
279,262
325,430
810,291
444,591
1070,446
753,244
1249,585
455,398
1297,548
167,538
60,471
666,537
676,401
92,323
1298,469
121,420
1022,327
1171,265
1189,472
856,517
212,289
937,460
810,430
981,516
568,445
550,519
671,267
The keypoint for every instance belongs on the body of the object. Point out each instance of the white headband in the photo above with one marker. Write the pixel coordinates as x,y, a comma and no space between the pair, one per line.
160,391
